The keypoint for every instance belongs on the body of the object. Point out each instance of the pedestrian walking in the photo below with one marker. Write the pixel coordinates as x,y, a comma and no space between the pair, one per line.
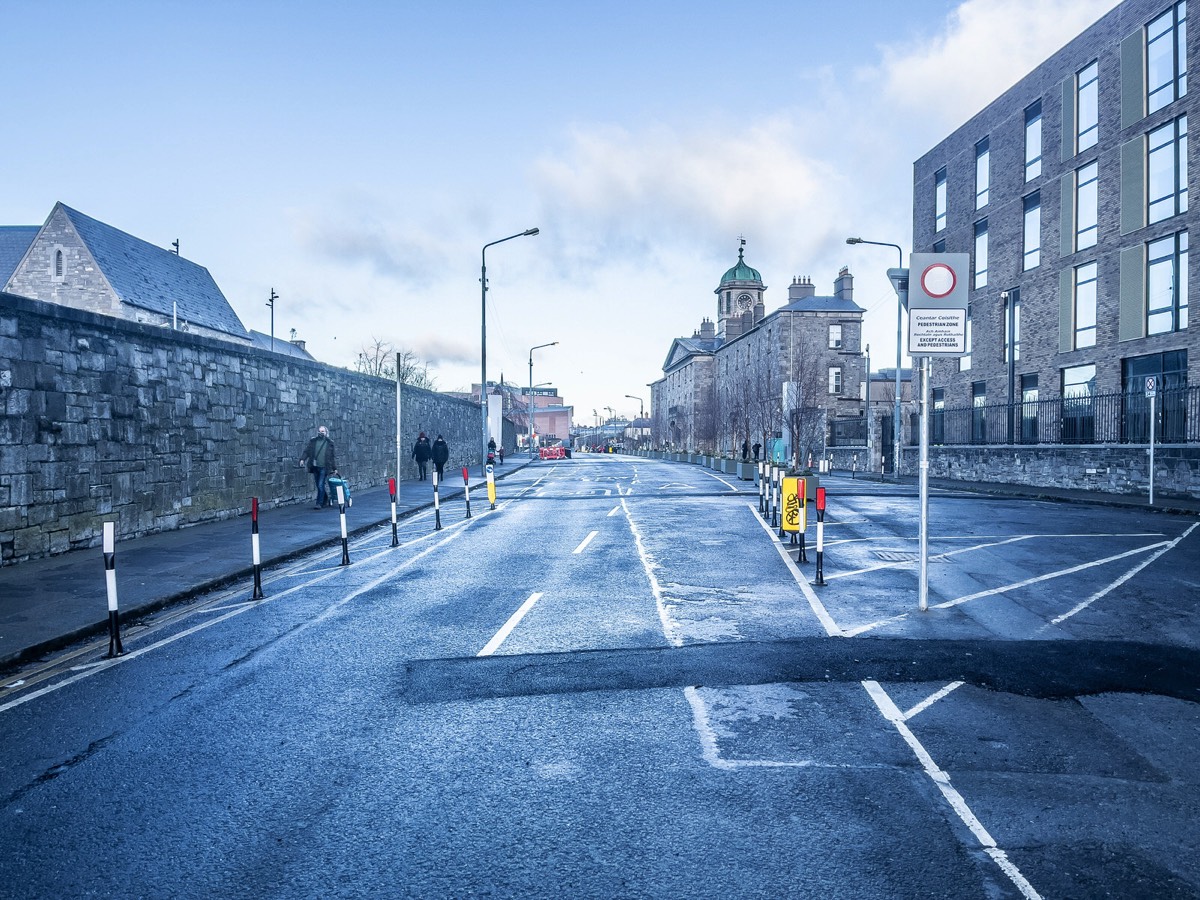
745,449
441,455
757,448
320,460
422,452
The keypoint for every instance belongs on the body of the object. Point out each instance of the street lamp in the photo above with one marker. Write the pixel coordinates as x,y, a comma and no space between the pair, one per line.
532,454
528,232
641,416
899,324
869,456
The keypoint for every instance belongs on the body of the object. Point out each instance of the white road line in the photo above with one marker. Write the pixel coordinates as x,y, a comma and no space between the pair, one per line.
932,699
1120,581
670,629
498,638
587,540
892,713
814,603
612,512
723,481
947,604
893,565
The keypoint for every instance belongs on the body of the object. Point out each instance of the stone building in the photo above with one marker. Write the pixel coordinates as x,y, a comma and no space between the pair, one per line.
1070,193
726,383
76,261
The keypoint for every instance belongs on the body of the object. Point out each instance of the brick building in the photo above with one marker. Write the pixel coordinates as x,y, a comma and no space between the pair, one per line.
1070,193
726,383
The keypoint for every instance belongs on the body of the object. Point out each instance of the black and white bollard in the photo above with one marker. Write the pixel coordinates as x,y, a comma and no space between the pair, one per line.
392,491
774,496
437,507
110,577
820,536
255,554
762,487
467,491
341,498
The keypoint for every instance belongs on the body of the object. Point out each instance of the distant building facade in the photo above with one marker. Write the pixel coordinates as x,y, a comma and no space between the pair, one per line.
725,385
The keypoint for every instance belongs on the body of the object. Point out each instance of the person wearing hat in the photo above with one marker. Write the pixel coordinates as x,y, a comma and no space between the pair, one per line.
319,457
422,453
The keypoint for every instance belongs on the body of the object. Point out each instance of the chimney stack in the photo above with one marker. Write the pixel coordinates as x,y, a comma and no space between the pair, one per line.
800,288
843,288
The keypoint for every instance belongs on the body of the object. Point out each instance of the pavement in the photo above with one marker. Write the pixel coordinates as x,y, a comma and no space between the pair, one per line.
48,604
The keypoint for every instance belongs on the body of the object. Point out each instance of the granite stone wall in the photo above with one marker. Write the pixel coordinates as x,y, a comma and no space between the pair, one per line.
107,420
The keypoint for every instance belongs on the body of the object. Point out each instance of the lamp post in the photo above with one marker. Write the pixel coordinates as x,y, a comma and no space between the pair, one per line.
867,353
532,452
271,303
641,416
899,324
528,232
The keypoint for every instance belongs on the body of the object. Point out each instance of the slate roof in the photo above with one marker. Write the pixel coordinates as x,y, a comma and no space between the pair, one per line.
281,345
822,304
14,241
152,278
684,348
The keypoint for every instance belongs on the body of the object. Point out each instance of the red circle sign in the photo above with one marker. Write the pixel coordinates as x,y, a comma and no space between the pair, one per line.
938,280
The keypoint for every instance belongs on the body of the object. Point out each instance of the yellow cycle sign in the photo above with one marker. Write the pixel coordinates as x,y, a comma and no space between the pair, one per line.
795,507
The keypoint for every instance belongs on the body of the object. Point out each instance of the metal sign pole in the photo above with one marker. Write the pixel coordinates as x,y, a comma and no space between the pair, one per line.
923,591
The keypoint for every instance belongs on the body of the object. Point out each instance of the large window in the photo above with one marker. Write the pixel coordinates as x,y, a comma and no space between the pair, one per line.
1078,410
982,173
1012,325
1033,140
835,337
1029,409
1087,107
1086,205
1033,231
939,200
1085,306
981,253
1169,370
1166,58
1166,284
978,412
1166,165
937,417
964,361
835,379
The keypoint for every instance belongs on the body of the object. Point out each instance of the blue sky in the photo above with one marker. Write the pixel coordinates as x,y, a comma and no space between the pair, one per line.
356,156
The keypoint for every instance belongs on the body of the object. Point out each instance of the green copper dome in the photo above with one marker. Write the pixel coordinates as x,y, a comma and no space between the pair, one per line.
740,272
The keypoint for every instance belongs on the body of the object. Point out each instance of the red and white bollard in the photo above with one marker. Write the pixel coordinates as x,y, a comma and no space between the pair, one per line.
392,491
341,499
110,578
820,537
437,507
255,554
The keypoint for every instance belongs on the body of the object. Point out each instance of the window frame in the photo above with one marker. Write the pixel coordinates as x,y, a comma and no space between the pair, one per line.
1033,129
1031,204
979,261
983,168
1084,289
1169,155
1087,97
1172,39
1087,198
1175,261
940,200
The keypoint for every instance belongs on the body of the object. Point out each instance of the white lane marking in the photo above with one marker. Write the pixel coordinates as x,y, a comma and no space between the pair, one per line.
732,487
1120,581
949,553
814,603
587,540
498,638
932,699
612,512
670,629
940,778
947,604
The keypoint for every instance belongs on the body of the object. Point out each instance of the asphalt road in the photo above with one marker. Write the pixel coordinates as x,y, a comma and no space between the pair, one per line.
620,684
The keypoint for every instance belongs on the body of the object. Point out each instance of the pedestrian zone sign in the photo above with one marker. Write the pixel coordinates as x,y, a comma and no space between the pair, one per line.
937,304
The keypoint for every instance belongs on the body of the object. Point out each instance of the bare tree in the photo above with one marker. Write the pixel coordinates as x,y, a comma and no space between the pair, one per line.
381,357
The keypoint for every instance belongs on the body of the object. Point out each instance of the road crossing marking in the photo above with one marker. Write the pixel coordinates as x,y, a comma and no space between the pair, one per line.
498,638
932,699
583,544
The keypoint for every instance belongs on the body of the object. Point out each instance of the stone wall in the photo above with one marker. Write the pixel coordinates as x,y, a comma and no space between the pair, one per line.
108,420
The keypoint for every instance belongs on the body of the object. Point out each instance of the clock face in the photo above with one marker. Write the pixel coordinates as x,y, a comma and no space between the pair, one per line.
744,302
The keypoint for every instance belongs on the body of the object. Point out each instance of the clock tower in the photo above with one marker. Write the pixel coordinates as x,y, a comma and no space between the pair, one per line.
740,291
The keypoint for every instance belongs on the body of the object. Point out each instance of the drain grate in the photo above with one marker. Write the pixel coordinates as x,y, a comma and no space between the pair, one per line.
896,555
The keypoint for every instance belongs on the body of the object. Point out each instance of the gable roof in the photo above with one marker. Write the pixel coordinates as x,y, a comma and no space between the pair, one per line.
683,349
152,278
279,345
14,241
822,304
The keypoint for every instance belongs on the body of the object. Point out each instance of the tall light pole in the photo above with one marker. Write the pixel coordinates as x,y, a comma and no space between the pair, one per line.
869,456
641,416
483,405
271,303
899,325
532,453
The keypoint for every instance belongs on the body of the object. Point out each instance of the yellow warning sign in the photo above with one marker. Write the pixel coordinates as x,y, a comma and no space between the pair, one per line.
795,509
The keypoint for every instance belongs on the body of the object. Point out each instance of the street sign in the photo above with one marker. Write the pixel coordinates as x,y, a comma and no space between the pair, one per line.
1151,386
937,304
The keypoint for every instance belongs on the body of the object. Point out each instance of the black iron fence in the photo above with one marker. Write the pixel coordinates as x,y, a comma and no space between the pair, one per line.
1093,419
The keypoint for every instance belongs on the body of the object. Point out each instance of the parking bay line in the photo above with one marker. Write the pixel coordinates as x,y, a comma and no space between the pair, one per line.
583,544
499,637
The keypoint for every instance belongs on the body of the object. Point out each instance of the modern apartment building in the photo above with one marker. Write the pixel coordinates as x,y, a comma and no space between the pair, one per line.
1070,193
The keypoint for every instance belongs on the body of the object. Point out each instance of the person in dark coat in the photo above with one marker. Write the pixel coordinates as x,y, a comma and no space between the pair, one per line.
757,448
422,452
745,449
319,457
441,455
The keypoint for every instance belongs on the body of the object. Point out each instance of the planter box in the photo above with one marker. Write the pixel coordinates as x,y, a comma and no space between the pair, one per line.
746,471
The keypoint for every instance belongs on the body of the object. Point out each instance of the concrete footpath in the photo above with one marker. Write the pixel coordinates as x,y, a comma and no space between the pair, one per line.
46,604
50,603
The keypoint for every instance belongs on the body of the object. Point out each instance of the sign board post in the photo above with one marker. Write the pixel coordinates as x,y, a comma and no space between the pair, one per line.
937,326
